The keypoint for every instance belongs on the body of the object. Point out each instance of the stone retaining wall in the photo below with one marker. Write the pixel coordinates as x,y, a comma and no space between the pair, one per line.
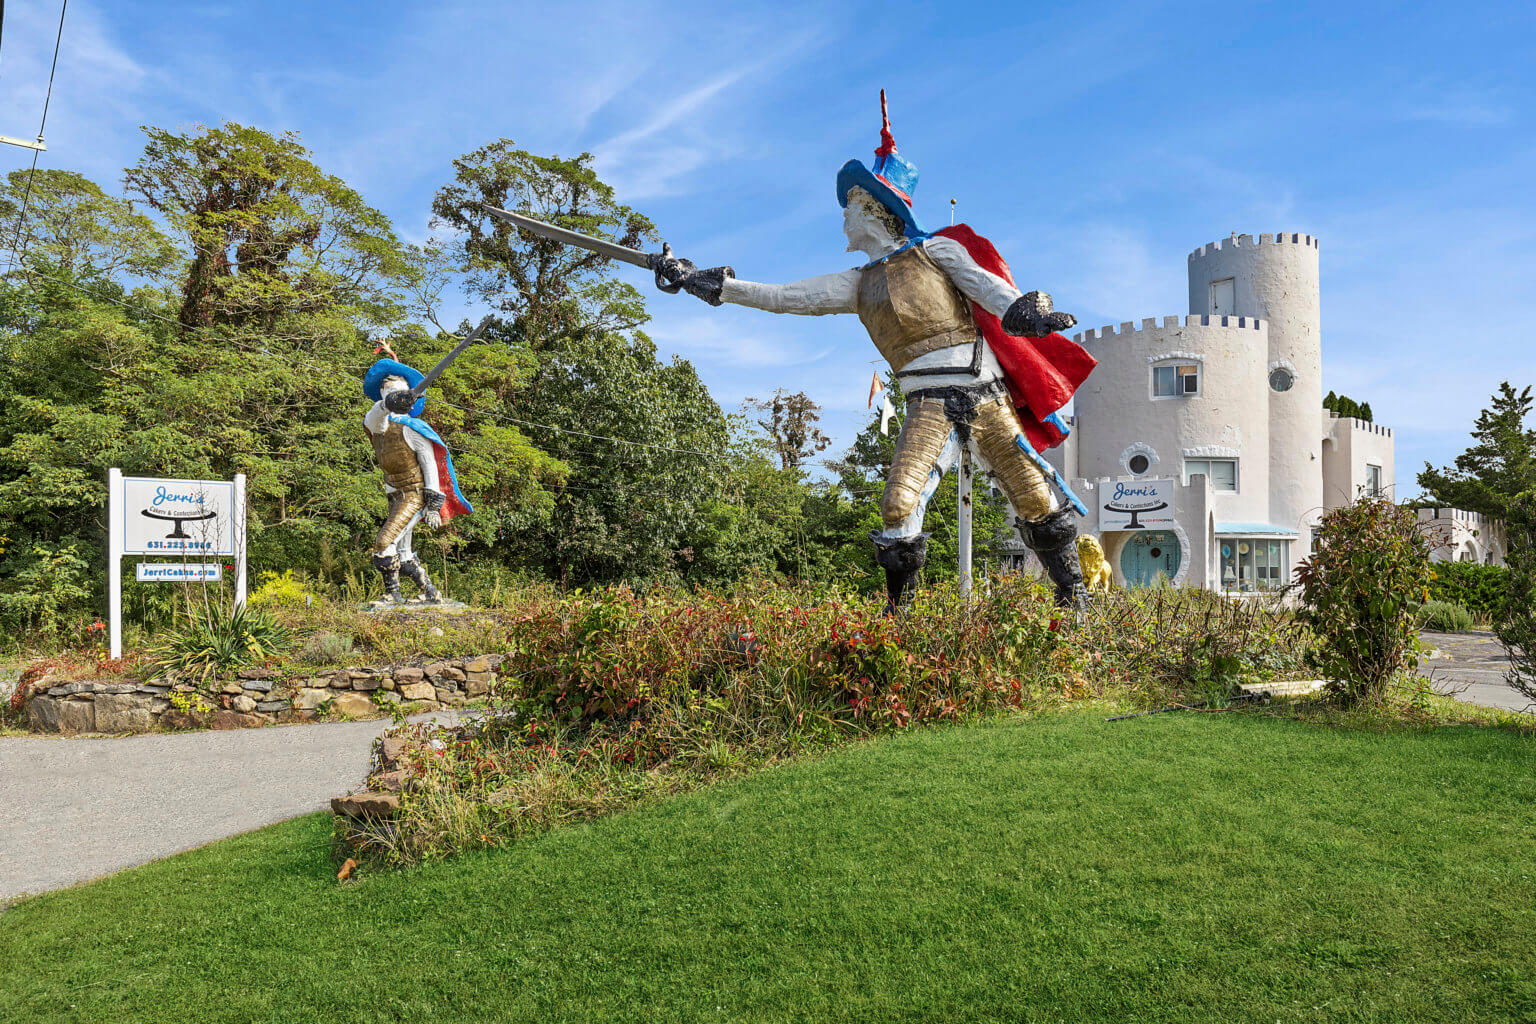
258,696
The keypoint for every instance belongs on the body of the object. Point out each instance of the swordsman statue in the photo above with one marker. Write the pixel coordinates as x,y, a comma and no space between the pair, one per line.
981,364
418,473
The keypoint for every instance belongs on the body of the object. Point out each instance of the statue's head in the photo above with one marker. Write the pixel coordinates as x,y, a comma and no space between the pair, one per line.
871,228
888,184
389,378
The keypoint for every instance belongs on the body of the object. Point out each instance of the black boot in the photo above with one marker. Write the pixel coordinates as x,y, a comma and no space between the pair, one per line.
901,559
1054,541
389,568
417,573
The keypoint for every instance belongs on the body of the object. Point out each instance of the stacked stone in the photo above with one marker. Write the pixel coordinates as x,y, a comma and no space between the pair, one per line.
259,696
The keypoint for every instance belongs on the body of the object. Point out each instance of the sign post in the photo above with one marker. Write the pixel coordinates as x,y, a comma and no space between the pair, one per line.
151,516
967,471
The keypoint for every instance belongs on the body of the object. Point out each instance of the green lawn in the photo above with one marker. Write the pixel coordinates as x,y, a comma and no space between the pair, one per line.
1178,867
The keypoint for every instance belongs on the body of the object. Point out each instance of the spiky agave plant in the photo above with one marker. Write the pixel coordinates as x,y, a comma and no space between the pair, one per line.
221,640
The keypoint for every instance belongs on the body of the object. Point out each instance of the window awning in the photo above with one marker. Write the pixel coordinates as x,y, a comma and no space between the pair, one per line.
1252,530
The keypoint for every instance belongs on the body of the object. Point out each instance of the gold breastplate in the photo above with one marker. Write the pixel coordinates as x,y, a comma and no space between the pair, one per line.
395,458
910,308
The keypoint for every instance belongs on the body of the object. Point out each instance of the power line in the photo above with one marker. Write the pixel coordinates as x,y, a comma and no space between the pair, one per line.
21,218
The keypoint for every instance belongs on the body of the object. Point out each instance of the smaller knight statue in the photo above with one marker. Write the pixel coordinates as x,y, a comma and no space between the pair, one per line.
418,475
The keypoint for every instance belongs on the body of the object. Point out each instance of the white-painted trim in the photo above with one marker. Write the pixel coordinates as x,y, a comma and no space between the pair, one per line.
1212,451
1139,448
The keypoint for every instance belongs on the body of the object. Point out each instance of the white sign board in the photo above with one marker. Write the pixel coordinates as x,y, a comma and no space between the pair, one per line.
177,572
178,517
172,517
1136,505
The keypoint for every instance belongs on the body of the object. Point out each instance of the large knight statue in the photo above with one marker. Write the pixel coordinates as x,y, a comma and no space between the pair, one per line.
981,364
418,475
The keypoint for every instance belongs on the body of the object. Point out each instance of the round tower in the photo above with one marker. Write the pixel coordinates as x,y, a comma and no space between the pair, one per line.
1276,280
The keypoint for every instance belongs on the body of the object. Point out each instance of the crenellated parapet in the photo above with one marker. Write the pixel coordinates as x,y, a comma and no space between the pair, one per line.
1265,238
1152,323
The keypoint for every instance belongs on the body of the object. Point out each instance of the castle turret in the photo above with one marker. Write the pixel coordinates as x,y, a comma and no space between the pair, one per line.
1276,280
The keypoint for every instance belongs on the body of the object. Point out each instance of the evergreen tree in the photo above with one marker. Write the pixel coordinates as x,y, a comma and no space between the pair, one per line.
1365,412
1500,466
1331,403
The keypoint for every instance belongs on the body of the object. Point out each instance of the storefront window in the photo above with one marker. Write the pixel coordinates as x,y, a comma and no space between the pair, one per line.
1250,564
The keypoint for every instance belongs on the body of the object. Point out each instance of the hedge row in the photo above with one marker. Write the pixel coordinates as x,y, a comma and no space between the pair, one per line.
1478,588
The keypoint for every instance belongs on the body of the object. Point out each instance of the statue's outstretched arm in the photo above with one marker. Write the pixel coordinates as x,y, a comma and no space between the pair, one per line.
813,296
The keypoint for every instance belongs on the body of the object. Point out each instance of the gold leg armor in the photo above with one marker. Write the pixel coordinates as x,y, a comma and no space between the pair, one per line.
917,449
403,505
994,429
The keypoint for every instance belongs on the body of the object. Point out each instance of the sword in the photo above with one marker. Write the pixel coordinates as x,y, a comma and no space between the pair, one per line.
613,250
416,392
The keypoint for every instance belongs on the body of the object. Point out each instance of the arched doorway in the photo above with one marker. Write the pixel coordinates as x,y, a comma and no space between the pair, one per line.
1148,554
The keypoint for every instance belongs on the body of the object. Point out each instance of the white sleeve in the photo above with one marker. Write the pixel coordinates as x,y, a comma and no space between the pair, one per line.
983,287
377,418
814,296
426,458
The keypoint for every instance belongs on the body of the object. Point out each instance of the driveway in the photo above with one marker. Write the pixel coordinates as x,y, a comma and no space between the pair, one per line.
76,809
1473,664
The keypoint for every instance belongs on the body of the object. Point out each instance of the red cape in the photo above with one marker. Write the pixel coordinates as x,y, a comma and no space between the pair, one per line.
1041,373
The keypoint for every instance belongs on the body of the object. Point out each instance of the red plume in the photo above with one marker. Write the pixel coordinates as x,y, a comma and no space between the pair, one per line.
887,140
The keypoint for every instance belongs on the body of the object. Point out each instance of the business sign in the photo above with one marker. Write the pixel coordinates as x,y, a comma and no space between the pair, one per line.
195,519
178,572
178,517
1136,505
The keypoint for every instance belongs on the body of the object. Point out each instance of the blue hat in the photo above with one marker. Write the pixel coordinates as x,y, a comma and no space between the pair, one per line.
892,179
373,381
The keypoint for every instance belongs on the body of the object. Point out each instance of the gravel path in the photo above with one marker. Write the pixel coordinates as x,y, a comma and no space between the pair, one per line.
77,809
1471,667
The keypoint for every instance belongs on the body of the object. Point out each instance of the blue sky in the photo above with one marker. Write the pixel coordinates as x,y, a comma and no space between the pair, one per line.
1097,144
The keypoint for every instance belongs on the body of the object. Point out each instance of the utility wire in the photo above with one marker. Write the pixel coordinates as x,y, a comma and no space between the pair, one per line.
21,218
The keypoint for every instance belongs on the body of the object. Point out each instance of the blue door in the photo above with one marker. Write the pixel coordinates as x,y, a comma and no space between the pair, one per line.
1148,554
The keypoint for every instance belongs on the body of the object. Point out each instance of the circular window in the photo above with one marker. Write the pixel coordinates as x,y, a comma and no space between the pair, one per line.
1139,464
1281,379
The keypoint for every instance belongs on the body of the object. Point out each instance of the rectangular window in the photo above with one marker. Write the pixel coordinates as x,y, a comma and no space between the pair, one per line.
1176,381
1222,473
1223,300
1250,564
1373,481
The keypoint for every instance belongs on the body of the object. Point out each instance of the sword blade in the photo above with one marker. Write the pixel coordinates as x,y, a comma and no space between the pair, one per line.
443,363
566,237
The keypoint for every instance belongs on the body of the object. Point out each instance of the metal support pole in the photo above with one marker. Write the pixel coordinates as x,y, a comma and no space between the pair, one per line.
966,473
237,517
114,558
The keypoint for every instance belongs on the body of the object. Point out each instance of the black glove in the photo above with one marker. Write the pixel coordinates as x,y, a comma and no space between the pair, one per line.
1031,316
674,274
400,401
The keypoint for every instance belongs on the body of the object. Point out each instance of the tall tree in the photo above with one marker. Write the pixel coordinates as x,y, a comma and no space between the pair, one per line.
791,421
642,439
1499,466
74,228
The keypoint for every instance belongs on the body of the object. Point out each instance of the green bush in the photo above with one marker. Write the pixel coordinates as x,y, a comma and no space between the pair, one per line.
219,640
1444,617
1478,588
1366,578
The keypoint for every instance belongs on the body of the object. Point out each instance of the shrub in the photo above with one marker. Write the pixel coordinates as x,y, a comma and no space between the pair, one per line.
1478,588
1366,578
1444,617
326,648
1188,643
219,641
282,590
1517,627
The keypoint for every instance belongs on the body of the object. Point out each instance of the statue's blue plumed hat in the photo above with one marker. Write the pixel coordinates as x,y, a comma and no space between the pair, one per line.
891,180
373,381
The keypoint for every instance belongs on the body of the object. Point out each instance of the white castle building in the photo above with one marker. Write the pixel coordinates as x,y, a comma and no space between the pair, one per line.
1200,442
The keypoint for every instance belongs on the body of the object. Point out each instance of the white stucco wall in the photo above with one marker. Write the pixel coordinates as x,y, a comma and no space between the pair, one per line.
1460,536
1276,280
1349,446
1229,418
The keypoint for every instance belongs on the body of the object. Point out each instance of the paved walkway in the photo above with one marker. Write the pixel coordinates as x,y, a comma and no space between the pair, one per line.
77,809
1471,667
